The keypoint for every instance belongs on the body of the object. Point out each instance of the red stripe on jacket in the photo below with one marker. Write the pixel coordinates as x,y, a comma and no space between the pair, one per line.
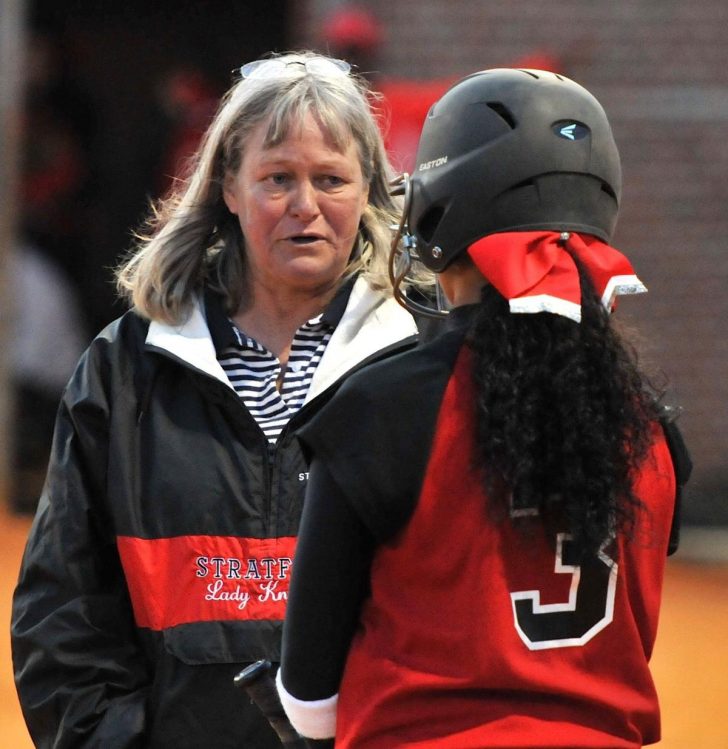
206,578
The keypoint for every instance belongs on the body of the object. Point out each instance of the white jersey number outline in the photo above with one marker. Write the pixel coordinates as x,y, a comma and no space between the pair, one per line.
572,623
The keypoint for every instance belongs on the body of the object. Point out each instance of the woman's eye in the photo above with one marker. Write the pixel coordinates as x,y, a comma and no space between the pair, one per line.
333,181
277,179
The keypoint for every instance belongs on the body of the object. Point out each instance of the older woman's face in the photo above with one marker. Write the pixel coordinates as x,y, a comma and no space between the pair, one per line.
299,204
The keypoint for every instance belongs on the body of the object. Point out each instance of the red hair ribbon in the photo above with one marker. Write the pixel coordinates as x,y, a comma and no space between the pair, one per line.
534,272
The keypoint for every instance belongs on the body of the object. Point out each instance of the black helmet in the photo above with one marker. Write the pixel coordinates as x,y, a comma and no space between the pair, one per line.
512,150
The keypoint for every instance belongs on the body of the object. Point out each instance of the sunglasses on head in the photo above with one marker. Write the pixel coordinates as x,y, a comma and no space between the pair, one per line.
279,66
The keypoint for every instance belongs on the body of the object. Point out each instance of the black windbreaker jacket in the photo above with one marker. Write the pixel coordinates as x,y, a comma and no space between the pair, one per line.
157,565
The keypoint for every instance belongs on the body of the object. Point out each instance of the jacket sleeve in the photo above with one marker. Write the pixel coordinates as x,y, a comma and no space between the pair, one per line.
79,670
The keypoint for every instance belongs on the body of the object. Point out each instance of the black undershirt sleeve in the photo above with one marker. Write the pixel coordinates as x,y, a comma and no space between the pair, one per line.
683,466
369,449
329,581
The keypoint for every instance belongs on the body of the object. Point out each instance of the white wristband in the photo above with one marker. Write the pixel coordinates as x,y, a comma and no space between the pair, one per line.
314,719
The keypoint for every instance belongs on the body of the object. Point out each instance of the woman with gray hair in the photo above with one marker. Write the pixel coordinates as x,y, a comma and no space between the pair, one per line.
158,563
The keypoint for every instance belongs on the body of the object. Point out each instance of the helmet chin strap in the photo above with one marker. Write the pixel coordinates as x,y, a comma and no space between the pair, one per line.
401,258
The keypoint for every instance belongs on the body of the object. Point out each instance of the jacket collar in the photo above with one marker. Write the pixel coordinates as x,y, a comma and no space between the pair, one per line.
366,323
190,342
371,323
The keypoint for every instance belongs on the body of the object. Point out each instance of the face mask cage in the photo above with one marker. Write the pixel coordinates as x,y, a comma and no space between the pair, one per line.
403,254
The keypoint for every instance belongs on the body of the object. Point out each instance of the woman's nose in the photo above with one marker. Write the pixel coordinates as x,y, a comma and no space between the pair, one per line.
304,201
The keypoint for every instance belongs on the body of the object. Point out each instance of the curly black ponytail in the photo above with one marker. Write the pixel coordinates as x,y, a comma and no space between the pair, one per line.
563,416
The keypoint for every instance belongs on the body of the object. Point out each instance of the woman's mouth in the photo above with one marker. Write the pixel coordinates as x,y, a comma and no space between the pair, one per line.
304,239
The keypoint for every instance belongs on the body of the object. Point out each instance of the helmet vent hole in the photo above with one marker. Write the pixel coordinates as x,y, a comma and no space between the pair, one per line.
504,113
608,189
429,222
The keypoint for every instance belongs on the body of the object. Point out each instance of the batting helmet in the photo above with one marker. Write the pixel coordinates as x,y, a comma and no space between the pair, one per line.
512,150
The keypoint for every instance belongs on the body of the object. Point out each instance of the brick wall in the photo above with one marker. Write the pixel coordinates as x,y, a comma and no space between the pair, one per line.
660,68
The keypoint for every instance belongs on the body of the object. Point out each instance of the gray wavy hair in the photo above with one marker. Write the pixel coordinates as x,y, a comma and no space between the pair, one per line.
191,239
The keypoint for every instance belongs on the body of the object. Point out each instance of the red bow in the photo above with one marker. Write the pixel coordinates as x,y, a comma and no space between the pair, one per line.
533,271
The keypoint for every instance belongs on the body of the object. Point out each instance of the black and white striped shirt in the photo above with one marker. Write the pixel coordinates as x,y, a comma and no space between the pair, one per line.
254,371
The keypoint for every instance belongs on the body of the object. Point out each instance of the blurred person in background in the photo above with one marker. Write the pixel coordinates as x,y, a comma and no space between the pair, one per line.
186,101
48,336
48,311
60,188
498,504
157,565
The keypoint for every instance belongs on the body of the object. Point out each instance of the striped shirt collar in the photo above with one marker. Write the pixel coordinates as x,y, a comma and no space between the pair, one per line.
223,334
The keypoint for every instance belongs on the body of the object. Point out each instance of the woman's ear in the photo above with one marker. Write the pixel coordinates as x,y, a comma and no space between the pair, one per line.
228,193
364,199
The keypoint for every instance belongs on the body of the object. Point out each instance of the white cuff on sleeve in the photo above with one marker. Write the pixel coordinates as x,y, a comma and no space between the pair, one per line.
314,719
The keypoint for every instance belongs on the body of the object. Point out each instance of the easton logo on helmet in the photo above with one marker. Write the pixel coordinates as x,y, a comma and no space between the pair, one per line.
570,130
432,164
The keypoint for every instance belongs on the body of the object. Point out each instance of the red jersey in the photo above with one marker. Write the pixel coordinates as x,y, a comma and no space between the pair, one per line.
495,629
